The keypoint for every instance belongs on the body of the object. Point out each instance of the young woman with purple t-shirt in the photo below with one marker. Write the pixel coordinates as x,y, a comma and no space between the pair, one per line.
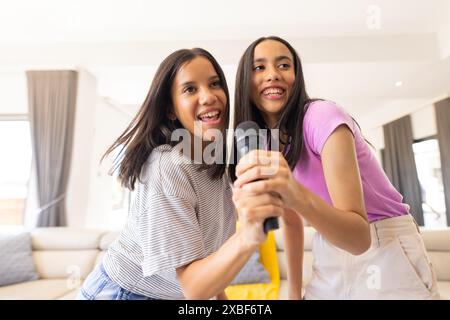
367,246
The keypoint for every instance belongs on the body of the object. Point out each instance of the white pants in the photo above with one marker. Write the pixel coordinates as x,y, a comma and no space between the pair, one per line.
396,266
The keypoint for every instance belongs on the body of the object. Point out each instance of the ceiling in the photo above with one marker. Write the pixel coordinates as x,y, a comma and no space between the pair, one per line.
354,51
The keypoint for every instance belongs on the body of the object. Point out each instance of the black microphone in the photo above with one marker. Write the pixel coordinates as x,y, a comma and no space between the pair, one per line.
248,138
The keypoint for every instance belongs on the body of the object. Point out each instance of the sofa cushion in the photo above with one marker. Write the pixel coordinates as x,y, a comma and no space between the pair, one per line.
107,239
436,239
444,289
441,263
17,264
62,238
70,296
100,257
44,289
53,264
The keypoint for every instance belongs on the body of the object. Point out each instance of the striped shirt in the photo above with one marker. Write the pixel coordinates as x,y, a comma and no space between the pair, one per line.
179,214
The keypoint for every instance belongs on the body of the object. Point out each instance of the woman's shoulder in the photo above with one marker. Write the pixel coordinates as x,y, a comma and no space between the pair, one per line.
323,108
321,119
168,158
167,171
325,112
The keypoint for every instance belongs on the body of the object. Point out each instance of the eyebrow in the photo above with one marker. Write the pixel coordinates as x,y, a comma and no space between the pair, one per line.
187,83
279,58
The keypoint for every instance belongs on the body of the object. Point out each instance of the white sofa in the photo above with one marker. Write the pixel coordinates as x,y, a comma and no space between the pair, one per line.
64,257
437,243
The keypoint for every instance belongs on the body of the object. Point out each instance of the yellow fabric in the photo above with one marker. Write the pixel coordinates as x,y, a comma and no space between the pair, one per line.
260,291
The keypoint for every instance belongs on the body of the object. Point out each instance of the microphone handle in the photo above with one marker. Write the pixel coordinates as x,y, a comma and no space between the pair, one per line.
270,224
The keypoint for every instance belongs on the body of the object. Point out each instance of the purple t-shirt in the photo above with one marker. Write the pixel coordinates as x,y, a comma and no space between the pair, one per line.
382,200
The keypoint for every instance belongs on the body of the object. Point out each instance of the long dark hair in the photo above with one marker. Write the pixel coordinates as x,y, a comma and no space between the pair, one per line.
151,127
291,119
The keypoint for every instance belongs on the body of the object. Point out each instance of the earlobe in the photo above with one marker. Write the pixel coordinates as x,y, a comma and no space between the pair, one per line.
172,116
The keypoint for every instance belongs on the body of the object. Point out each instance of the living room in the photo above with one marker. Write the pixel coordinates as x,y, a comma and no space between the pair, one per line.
386,63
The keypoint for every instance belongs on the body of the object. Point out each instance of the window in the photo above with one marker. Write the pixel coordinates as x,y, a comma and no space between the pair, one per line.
15,167
428,163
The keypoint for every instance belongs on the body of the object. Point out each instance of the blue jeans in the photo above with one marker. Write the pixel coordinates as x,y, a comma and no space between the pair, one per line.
99,286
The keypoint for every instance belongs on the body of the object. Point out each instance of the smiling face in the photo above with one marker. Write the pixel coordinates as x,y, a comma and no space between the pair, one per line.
272,79
198,98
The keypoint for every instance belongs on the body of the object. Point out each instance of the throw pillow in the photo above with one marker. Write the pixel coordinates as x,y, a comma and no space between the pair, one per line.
260,291
17,263
252,272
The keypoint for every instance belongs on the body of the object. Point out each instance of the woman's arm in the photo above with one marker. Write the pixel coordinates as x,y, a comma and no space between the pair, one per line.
208,277
344,223
293,234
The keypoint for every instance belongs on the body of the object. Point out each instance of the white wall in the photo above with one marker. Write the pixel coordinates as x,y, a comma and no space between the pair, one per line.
110,122
98,123
444,32
79,179
375,136
423,123
14,96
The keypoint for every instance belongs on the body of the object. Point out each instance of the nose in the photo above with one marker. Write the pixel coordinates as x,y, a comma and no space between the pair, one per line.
272,75
207,97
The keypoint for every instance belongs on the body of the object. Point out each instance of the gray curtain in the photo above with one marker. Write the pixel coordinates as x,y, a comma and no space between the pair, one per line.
443,130
400,166
51,107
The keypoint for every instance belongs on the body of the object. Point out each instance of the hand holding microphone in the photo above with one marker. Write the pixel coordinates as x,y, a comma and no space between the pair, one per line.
261,171
248,139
